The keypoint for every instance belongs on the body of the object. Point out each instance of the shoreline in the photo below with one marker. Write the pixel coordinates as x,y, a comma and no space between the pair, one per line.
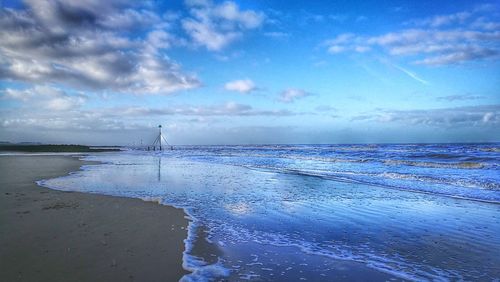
367,227
57,235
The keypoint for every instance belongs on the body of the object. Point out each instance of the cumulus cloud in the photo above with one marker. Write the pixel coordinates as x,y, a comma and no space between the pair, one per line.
242,86
292,94
470,116
214,26
439,40
46,98
89,44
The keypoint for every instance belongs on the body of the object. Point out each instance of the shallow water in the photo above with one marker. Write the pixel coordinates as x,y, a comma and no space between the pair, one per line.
272,220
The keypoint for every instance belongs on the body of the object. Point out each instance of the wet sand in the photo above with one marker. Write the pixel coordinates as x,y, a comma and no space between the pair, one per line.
48,235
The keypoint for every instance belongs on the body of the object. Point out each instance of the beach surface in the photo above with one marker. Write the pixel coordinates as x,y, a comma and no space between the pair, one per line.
49,235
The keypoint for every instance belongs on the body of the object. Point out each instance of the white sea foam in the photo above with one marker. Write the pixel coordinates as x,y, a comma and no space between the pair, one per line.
157,200
200,270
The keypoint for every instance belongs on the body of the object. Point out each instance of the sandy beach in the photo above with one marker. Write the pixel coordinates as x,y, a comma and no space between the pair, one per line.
49,235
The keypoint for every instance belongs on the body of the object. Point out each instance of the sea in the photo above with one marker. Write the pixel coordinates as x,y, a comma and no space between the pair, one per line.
373,212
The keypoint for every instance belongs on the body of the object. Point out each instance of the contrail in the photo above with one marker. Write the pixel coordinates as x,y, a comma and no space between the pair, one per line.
411,74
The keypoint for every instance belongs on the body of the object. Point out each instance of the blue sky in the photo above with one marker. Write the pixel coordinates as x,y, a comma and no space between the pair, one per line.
231,72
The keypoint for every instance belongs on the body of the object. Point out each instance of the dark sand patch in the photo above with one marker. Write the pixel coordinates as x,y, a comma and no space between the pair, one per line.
48,235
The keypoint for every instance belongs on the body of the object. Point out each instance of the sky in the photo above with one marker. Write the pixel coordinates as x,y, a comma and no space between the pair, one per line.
248,72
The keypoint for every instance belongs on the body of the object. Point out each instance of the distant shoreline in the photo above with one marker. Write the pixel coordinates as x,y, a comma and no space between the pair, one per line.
57,148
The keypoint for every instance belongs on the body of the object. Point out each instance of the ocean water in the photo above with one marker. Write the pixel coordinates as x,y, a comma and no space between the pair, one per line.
320,212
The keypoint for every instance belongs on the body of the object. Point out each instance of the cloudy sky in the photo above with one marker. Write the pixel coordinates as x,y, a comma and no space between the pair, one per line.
239,72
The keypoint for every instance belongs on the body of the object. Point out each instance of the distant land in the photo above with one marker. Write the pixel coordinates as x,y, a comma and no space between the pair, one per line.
36,147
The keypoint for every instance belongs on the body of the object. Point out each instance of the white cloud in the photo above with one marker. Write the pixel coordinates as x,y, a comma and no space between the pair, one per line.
242,86
485,24
362,49
46,98
206,34
443,20
277,34
470,116
42,112
292,94
230,11
226,109
334,49
131,19
95,45
439,40
89,45
215,26
458,56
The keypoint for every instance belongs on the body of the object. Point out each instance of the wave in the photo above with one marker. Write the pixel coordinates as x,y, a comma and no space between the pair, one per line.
395,265
456,182
494,149
467,162
459,165
471,177
471,189
376,177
